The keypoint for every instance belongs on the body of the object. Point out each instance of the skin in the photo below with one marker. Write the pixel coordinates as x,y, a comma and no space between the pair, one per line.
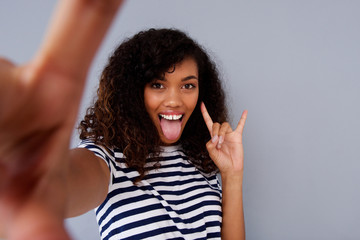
41,180
34,139
177,93
226,150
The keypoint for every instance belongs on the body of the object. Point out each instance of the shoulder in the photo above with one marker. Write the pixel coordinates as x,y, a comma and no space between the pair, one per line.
104,152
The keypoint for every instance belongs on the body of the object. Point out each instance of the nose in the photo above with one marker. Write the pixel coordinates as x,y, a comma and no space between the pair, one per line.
173,99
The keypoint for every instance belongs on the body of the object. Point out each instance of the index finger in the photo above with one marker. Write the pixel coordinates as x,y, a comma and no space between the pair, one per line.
208,121
75,33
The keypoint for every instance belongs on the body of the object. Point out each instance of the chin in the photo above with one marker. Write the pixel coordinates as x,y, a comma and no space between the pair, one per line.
166,141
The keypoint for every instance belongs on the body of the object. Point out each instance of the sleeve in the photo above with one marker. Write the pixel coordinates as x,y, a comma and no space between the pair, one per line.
219,183
101,151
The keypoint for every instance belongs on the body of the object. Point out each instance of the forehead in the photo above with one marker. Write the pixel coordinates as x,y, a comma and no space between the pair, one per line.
183,69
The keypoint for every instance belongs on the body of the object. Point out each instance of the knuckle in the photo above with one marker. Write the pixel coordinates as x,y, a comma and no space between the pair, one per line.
215,128
226,124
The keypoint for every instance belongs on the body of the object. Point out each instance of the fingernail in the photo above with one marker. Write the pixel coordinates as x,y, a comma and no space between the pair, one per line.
214,139
218,146
221,139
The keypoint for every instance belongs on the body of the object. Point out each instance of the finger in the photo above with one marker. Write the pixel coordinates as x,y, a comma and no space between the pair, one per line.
75,34
5,63
224,128
5,72
213,152
241,124
215,132
208,121
6,78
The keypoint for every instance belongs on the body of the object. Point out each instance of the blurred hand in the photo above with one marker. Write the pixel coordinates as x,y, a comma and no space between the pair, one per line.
38,108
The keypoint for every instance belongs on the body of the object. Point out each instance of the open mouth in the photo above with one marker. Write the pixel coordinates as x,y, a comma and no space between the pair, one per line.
171,117
171,125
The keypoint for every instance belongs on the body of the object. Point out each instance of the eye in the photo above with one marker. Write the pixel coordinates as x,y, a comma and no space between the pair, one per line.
189,86
157,85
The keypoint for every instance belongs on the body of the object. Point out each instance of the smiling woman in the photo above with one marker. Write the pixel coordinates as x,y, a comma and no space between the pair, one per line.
170,101
177,74
148,126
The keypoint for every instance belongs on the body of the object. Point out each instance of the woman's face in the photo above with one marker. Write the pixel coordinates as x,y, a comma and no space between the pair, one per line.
171,101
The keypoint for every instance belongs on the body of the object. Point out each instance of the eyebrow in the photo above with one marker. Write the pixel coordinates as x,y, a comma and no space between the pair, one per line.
190,77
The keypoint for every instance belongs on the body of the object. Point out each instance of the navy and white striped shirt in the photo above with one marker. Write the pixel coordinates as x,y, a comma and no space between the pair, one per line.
175,201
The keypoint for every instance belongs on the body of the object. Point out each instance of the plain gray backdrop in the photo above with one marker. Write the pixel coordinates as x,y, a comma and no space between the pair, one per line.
295,65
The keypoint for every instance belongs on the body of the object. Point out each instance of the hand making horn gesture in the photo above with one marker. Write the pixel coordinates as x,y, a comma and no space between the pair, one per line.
225,147
226,150
38,109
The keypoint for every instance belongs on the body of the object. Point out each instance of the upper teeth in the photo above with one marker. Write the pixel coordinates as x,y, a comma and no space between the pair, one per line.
171,117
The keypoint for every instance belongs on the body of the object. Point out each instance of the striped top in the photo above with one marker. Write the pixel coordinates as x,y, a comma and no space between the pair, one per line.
175,201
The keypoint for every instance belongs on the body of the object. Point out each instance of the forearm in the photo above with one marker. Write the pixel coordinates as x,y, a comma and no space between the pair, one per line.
233,226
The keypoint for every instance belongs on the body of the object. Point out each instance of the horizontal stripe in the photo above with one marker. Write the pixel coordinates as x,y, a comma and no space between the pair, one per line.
174,201
150,233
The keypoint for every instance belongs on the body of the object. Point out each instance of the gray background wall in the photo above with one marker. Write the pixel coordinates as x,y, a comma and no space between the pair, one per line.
295,65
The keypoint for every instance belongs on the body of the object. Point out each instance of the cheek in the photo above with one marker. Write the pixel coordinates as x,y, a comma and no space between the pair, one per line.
151,102
191,101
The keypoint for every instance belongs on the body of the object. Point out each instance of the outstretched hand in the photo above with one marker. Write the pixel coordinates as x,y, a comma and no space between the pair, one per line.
225,147
38,108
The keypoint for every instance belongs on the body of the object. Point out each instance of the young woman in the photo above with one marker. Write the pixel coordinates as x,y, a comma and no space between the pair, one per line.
150,149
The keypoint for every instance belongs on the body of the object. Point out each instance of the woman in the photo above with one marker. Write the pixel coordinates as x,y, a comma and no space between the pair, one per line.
42,182
149,96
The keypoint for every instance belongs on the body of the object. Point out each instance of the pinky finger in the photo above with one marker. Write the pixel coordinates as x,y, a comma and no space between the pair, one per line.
241,124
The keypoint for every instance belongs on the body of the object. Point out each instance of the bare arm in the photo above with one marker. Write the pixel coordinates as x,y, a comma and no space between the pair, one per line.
38,108
232,208
226,150
88,182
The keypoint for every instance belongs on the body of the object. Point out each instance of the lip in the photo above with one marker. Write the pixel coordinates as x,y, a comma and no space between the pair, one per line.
178,114
171,112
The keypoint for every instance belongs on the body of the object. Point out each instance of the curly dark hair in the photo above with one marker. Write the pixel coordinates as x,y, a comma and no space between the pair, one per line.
118,119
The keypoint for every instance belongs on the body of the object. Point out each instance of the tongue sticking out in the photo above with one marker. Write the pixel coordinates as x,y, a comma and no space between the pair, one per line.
170,128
